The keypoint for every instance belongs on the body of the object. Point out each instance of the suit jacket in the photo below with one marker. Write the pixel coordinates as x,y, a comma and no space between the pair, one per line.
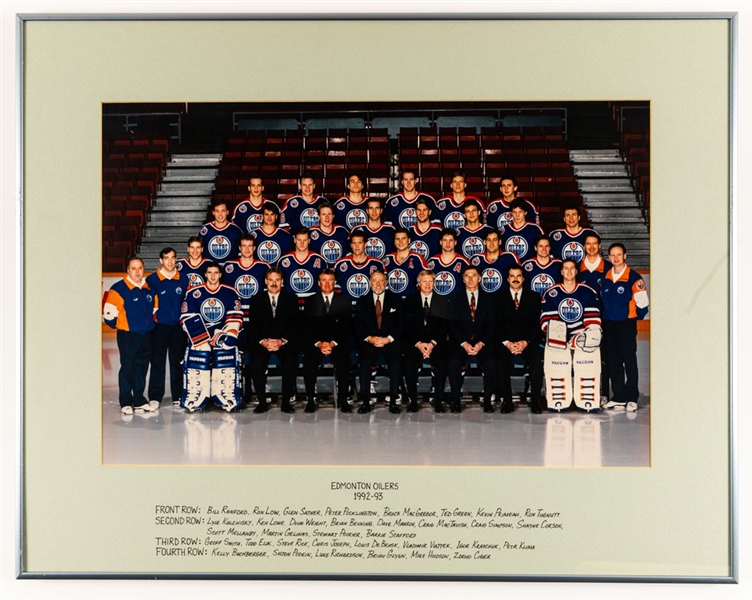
323,327
286,323
522,323
391,317
436,328
461,326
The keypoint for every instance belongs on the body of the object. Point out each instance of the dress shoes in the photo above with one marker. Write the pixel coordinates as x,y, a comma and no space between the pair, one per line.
439,407
413,407
310,407
365,407
287,407
345,407
456,407
393,408
507,407
262,407
535,408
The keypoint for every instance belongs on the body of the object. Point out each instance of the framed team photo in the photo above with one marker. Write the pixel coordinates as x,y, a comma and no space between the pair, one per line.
294,423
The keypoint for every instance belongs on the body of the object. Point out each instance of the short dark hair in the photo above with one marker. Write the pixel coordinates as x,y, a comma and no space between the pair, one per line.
511,178
567,207
425,202
408,170
270,206
617,245
328,271
596,236
324,204
448,231
256,175
371,200
471,202
357,233
302,230
459,173
566,260
514,268
276,270
539,238
134,257
247,237
195,238
211,264
470,267
165,251
401,230
518,203
350,174
490,231
307,175
219,202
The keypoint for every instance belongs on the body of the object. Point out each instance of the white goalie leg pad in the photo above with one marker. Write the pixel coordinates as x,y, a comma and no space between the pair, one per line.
196,379
225,378
587,379
557,365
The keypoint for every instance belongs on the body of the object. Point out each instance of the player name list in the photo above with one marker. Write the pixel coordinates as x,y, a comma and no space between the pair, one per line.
369,526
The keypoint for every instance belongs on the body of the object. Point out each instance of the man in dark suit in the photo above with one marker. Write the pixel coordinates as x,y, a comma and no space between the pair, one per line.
327,320
378,331
472,324
518,334
426,330
274,322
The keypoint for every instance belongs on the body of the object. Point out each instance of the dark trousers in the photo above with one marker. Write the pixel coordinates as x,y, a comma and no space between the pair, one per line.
167,341
259,362
621,344
135,354
459,358
340,358
413,362
368,355
533,357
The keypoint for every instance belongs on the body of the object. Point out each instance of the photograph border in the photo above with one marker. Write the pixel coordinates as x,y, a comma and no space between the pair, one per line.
733,266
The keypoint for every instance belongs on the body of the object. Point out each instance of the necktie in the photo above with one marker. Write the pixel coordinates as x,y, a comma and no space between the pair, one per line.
274,307
516,299
426,311
378,311
326,304
472,307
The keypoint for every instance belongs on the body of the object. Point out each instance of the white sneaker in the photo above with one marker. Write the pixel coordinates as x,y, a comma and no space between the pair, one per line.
619,407
126,410
176,403
614,405
631,406
154,404
144,408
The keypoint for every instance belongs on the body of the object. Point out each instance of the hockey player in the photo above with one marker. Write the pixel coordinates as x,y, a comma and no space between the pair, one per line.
400,209
211,315
129,308
625,301
571,322
351,208
354,270
327,239
518,235
379,235
301,267
470,237
247,215
493,263
450,208
448,265
302,210
570,241
402,266
194,266
542,271
169,287
221,237
271,241
499,212
246,274
425,235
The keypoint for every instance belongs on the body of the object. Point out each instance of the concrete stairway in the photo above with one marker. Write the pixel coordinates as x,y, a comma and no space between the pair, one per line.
181,205
612,205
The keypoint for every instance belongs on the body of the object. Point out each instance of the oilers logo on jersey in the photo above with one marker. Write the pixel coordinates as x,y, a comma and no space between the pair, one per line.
212,310
355,217
454,220
472,246
194,279
517,245
398,281
309,217
375,248
407,218
301,281
219,247
357,285
246,286
253,221
570,310
573,250
331,251
541,283
490,280
269,251
444,284
420,247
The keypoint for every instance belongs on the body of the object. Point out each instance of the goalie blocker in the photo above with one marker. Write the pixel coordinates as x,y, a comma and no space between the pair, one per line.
570,317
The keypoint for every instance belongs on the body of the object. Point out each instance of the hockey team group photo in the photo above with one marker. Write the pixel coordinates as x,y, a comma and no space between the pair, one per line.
425,276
